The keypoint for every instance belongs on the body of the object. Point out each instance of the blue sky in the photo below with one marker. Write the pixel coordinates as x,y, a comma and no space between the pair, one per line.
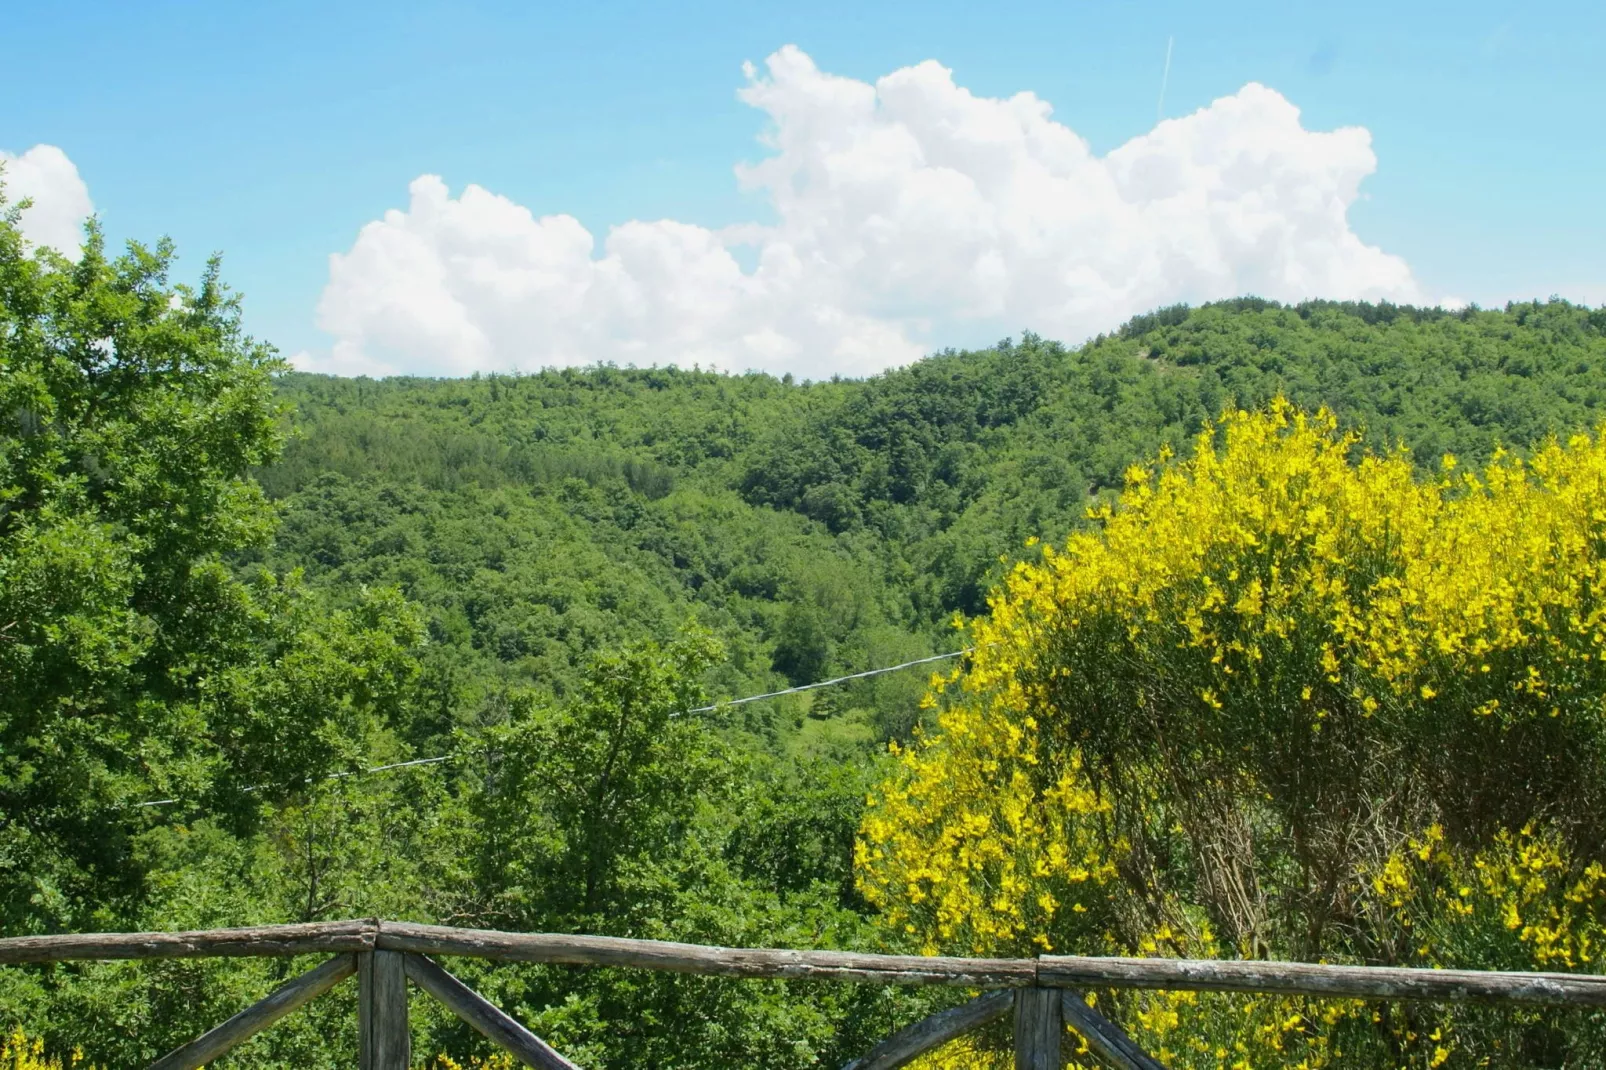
275,132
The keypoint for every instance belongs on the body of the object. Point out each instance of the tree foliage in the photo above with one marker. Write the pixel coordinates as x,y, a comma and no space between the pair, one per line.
133,663
221,581
1282,701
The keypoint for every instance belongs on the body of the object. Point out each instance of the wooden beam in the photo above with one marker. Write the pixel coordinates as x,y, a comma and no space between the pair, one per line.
1051,971
1104,1038
484,1016
384,1039
1039,1029
318,937
1335,982
257,1017
911,1042
716,961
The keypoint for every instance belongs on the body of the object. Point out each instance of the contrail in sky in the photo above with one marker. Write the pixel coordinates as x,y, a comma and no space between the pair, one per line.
1159,109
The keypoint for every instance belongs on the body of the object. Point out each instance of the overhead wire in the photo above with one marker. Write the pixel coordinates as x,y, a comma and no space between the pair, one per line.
828,683
699,709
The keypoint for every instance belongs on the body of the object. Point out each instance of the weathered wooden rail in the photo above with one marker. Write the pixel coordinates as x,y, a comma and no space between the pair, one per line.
1042,993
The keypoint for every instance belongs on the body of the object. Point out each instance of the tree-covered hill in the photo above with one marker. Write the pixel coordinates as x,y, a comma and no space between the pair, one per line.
832,526
549,578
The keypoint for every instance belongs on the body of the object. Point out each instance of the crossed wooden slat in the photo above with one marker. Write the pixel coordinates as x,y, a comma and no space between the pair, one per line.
382,1013
384,1041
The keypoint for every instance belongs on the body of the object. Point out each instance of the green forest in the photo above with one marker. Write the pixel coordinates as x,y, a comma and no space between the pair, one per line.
223,582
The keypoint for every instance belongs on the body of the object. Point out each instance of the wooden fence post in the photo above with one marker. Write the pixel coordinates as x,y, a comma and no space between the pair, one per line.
1039,1026
384,1041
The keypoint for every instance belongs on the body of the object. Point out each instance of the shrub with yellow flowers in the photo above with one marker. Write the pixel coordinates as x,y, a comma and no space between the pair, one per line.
498,1061
1285,699
18,1051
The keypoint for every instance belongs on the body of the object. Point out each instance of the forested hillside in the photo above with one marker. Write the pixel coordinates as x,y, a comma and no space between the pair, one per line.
221,581
831,527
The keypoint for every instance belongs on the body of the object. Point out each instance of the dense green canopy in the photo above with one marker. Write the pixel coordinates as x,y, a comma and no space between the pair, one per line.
221,581
134,664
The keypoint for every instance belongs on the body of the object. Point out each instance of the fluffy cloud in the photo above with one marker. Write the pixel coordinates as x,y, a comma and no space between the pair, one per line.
61,202
904,211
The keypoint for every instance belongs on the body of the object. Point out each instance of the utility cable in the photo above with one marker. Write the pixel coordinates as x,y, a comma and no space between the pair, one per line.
700,709
828,683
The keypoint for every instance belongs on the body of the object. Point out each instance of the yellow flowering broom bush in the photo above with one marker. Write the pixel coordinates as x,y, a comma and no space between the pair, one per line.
1286,700
18,1051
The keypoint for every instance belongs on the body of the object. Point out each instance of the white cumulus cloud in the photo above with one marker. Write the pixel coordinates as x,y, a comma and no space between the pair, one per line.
60,199
904,211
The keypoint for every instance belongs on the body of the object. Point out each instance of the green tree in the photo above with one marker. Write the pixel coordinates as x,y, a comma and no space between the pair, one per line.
802,644
616,812
610,776
134,664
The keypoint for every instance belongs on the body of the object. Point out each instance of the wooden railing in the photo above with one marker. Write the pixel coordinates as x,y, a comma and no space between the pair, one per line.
1043,993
